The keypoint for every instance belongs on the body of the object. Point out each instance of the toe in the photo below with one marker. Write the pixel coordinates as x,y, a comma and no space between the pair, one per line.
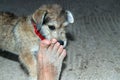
44,45
50,48
54,41
60,50
56,47
62,55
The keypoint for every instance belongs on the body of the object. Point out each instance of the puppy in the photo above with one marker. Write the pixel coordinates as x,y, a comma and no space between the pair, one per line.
22,34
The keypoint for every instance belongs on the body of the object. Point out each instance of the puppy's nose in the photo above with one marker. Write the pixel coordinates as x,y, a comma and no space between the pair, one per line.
61,42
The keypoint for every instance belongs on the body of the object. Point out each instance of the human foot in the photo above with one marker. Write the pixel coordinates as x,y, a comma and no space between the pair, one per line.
50,57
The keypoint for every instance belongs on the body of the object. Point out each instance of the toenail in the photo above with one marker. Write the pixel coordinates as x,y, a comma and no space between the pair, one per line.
58,44
61,47
54,40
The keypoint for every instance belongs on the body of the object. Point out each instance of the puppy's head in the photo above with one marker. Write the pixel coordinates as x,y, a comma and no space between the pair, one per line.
51,21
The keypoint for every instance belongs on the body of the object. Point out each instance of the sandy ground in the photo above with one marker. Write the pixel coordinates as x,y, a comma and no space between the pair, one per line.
94,51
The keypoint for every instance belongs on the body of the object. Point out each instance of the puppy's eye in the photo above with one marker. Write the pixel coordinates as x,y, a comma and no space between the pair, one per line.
51,27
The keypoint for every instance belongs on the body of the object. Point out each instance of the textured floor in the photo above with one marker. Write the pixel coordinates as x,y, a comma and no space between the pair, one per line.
93,54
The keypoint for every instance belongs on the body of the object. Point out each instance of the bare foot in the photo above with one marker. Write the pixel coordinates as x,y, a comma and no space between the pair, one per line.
50,57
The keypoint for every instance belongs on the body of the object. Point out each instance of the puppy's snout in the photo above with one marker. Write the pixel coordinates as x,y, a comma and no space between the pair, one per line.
61,42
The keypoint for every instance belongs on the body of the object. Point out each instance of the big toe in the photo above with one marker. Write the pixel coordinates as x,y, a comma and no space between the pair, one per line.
44,44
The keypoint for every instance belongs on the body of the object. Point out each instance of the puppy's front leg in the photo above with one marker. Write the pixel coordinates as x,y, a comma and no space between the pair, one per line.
29,61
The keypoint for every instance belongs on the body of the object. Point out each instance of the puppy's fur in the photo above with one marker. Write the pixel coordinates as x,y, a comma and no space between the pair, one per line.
17,33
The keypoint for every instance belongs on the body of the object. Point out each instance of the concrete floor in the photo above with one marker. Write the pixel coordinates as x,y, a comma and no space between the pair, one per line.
93,54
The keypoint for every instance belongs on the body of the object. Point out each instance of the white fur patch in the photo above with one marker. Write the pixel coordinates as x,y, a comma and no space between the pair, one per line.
35,49
70,17
32,78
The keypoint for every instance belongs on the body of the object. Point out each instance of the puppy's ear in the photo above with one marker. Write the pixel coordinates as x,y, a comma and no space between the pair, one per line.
39,16
70,18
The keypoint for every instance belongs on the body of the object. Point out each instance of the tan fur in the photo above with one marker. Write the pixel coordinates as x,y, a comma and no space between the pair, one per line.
17,33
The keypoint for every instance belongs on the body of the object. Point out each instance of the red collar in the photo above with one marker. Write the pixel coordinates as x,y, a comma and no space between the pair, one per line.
37,31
